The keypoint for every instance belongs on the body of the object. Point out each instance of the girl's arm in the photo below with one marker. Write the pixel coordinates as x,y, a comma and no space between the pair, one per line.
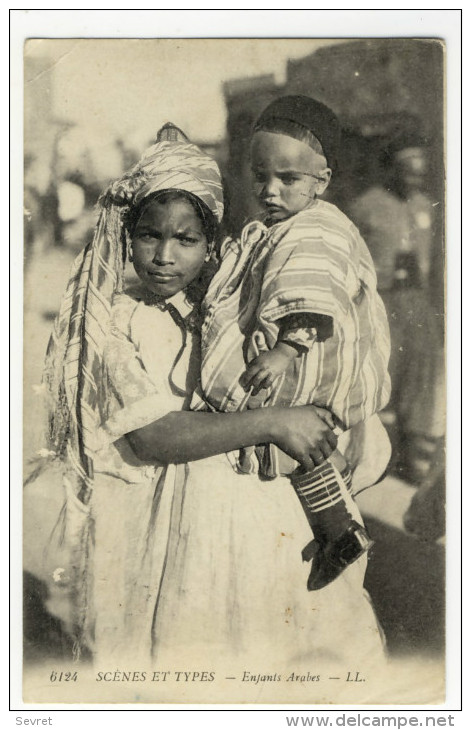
185,436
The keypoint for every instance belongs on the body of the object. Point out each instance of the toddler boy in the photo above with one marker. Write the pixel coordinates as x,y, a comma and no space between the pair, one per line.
293,317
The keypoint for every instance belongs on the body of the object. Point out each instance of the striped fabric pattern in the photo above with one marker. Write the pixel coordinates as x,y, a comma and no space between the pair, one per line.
314,262
74,361
74,356
318,490
172,166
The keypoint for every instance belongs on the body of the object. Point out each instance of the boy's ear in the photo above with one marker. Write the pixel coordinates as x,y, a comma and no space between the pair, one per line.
324,176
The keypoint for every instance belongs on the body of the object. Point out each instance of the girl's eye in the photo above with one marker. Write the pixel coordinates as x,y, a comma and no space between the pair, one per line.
259,177
146,236
187,240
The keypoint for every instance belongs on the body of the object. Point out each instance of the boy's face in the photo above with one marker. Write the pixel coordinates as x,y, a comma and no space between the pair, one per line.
169,246
288,174
410,168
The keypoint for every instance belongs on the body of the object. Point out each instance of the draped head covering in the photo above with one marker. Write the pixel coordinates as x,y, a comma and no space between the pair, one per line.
173,163
75,352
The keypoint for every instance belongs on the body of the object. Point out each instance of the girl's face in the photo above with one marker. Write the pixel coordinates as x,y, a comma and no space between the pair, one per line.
169,246
288,174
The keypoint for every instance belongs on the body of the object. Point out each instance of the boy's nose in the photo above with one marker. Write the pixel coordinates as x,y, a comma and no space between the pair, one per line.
270,187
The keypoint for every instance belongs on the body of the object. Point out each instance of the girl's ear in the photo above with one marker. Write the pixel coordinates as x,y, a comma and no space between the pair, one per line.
324,180
209,251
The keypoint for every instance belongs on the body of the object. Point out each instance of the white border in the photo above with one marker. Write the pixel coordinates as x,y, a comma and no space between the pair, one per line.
240,23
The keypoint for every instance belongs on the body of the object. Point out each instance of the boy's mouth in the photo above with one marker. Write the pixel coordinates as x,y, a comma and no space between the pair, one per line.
272,207
275,212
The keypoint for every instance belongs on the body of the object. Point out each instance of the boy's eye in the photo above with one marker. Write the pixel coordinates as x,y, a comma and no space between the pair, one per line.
259,177
289,179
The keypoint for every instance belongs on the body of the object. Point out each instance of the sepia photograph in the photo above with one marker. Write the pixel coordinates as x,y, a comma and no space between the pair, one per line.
234,371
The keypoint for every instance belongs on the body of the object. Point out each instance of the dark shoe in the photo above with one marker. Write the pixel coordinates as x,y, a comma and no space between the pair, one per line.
331,558
311,551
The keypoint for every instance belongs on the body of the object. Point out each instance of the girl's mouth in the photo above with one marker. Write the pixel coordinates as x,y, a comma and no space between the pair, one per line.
161,276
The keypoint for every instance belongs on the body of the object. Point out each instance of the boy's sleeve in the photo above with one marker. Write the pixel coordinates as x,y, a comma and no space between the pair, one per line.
304,329
229,254
306,273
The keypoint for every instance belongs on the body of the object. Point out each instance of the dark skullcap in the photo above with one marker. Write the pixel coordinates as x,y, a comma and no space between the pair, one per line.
310,114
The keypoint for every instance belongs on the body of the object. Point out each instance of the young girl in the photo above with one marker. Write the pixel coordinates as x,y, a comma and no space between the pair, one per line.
179,564
293,317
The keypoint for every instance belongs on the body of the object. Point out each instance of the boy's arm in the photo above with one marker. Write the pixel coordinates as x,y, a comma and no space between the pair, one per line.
264,369
306,274
304,292
297,333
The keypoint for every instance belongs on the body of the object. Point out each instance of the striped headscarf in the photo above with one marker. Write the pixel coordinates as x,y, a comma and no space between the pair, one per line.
75,352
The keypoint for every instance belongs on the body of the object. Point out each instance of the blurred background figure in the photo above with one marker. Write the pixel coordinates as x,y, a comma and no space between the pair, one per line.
396,217
396,214
32,218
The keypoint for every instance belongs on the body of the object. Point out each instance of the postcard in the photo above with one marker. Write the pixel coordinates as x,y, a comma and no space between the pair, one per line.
234,268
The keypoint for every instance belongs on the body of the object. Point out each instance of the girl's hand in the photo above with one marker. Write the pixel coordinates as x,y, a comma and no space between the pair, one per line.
325,416
304,434
267,367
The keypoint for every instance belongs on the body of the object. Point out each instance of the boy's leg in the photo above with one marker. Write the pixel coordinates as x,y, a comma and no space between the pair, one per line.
339,538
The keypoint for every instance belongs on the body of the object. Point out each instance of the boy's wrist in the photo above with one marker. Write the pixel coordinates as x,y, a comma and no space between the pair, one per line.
289,348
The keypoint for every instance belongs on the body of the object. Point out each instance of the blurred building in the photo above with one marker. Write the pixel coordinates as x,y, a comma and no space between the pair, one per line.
40,135
379,88
245,99
39,127
66,166
363,79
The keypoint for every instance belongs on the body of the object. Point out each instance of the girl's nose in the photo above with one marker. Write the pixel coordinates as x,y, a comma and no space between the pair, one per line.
164,252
